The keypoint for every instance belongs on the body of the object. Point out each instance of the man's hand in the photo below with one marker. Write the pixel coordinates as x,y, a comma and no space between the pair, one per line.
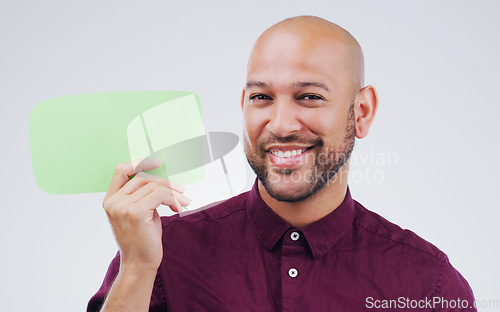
131,208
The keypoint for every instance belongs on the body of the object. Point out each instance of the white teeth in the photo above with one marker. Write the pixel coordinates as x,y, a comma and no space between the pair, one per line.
287,154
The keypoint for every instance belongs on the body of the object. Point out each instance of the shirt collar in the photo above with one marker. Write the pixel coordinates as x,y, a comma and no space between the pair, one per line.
320,235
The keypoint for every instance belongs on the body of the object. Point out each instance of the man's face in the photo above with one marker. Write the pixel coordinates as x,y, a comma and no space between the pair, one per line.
299,114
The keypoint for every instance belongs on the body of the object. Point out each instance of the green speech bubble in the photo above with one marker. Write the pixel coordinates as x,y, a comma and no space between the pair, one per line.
76,141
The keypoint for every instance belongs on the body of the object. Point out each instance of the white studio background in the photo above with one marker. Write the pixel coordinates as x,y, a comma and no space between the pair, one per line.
430,163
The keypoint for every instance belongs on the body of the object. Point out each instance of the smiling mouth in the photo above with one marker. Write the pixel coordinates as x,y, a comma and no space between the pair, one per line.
288,153
288,157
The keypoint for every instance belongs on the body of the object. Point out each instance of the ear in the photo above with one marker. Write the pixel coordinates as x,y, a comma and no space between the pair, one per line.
366,107
242,98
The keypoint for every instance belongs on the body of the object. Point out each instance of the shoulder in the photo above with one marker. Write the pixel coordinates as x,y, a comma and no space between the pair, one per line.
223,210
399,250
383,232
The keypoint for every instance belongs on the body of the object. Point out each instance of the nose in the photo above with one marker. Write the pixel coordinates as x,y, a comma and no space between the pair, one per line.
284,119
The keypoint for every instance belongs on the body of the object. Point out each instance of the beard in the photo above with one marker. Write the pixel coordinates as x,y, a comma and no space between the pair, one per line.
326,163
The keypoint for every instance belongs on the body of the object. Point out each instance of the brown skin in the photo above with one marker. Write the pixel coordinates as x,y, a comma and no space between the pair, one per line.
277,104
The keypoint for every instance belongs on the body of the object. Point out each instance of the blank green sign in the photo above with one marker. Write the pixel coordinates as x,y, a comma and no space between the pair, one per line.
77,141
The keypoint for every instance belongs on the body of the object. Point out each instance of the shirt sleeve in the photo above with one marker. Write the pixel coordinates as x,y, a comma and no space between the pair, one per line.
453,293
95,304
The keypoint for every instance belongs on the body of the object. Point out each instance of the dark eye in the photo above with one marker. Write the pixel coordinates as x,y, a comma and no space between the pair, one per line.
259,97
311,97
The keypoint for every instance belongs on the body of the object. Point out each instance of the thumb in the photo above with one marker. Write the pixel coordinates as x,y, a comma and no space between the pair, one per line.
144,164
125,170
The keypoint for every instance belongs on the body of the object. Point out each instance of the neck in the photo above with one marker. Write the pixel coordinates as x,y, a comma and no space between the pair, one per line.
313,208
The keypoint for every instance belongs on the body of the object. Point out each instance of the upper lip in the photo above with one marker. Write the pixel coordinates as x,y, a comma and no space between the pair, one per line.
284,148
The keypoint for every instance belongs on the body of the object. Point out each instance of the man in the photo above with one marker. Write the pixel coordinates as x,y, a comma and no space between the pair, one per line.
297,241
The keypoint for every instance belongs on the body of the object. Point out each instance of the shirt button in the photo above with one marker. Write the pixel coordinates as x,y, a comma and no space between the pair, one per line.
293,272
295,236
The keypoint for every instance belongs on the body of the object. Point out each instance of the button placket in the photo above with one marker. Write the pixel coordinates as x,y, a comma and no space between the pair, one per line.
293,272
294,252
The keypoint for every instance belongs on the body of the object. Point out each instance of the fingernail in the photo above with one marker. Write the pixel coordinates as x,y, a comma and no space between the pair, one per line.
156,161
178,205
185,200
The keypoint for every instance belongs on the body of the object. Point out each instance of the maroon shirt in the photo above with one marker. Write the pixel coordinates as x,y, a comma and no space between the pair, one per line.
240,256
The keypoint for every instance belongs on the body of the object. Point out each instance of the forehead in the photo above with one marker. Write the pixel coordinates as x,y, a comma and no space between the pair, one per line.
289,57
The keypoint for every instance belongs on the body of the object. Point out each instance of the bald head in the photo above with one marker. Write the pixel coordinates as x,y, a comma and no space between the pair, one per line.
311,31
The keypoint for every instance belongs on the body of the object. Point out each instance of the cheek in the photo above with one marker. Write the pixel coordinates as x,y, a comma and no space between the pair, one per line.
329,124
323,122
254,121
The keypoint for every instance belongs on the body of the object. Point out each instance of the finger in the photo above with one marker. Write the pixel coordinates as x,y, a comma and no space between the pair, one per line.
142,179
157,198
151,187
165,182
124,170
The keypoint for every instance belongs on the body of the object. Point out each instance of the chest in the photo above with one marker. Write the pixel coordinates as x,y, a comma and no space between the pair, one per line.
239,274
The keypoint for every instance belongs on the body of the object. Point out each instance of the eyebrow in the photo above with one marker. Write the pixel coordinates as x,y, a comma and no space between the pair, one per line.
310,84
300,84
256,84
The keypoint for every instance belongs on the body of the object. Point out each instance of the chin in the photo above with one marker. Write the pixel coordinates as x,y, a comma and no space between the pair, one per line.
286,189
